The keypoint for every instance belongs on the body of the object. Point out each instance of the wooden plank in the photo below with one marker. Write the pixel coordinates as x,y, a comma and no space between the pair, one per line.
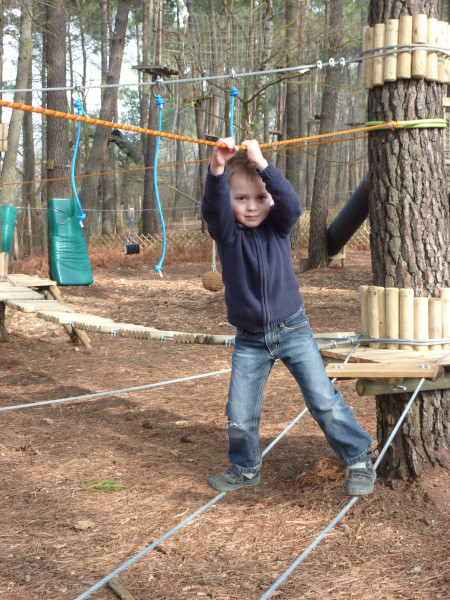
18,296
33,306
365,387
380,370
365,354
30,280
335,335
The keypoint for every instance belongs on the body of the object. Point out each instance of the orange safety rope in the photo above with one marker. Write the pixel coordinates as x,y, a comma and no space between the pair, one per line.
174,136
176,164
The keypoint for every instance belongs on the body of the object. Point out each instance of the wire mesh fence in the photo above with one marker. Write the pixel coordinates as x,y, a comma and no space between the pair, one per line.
187,240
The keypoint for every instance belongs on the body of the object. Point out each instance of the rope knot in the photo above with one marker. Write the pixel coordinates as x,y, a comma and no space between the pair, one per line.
78,106
159,100
234,91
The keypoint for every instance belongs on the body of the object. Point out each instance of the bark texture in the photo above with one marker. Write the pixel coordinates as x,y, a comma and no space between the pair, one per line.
57,129
108,109
318,251
409,215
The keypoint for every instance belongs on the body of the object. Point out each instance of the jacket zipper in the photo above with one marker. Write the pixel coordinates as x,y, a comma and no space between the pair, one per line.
263,277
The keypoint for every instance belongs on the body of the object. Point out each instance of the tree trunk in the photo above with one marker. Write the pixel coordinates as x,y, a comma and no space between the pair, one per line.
29,162
108,108
260,126
409,215
292,93
150,220
15,125
57,129
318,253
198,102
107,190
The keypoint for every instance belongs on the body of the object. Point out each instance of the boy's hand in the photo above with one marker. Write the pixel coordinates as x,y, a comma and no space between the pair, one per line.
221,155
255,155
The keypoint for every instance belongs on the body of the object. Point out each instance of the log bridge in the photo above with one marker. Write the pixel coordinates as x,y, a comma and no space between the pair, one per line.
378,371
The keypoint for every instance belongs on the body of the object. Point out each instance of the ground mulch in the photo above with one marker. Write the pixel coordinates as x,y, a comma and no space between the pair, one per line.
63,528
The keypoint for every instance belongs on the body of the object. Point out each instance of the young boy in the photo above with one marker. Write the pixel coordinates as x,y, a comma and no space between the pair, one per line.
251,219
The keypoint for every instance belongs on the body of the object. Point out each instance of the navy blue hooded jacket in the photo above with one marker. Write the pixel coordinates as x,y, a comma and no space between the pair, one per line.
261,288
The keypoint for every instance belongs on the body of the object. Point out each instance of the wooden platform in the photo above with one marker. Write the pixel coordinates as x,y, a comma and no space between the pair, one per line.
42,298
384,364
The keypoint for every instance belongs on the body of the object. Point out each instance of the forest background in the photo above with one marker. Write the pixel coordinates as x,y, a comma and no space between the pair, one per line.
129,44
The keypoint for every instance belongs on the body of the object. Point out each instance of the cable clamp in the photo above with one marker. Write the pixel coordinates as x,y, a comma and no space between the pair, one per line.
342,61
333,343
163,339
159,88
229,342
331,62
425,366
319,64
338,367
113,332
233,80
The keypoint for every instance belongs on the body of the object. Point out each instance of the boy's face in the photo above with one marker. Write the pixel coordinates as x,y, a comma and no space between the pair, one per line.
250,200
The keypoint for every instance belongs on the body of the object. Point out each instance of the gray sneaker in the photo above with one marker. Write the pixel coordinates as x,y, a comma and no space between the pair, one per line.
360,481
233,480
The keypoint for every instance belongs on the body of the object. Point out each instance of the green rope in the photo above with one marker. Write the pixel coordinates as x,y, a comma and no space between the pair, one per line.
418,124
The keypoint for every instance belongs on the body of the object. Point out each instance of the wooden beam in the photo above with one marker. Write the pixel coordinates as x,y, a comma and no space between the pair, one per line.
364,387
381,370
73,332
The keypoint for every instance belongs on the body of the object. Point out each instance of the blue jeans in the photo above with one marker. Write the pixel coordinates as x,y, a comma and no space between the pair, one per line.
253,358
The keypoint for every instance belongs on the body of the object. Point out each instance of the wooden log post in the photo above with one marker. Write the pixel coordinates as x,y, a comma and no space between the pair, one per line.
392,316
378,63
442,42
404,37
363,296
367,41
432,57
4,264
435,321
419,36
445,297
382,314
406,316
420,322
390,61
447,60
372,311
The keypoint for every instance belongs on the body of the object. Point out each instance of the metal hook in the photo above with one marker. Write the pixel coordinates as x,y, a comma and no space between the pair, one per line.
233,80
159,88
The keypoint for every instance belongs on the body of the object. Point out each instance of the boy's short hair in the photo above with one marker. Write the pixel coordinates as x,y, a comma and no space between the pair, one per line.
239,164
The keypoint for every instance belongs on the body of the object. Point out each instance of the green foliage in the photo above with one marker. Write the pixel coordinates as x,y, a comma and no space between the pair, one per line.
105,485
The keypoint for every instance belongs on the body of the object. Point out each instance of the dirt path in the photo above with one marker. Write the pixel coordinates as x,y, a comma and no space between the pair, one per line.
163,444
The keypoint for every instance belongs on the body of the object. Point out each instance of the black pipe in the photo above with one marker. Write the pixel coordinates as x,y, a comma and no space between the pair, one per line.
349,220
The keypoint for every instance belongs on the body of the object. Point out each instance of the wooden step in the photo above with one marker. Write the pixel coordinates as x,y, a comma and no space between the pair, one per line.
35,306
365,354
12,296
430,371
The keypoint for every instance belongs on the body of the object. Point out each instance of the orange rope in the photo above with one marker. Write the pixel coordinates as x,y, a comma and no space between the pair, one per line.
177,164
173,136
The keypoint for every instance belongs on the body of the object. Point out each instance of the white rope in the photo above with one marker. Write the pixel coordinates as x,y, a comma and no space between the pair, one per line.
122,391
301,69
353,501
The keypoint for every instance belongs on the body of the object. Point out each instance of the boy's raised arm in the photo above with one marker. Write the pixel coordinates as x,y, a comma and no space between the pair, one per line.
221,155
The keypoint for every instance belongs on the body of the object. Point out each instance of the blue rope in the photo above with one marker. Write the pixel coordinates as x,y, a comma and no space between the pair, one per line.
80,111
160,103
233,93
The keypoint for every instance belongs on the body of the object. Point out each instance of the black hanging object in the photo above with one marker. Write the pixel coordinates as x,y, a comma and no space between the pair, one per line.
134,247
